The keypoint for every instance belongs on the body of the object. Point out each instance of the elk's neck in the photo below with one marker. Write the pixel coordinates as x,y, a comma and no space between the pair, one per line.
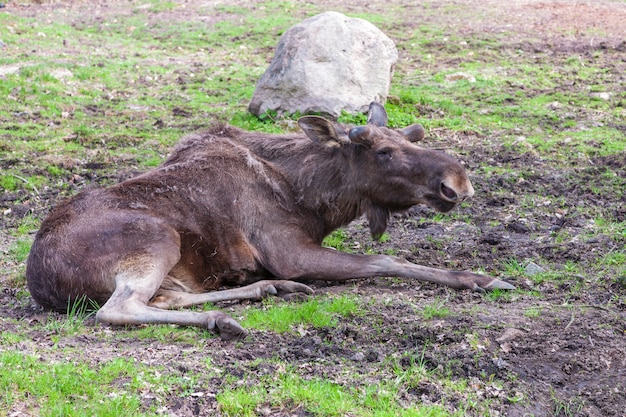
321,177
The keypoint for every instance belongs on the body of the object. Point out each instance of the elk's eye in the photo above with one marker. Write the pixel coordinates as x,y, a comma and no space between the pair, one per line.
448,192
384,153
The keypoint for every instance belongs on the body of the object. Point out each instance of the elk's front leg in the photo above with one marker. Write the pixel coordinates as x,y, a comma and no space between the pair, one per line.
320,263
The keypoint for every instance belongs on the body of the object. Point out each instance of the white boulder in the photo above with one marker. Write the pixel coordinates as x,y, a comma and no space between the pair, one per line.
327,63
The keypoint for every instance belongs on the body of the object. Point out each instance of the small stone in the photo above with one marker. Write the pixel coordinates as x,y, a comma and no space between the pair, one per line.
554,105
458,76
510,334
499,363
533,269
9,69
358,357
602,96
61,73
373,356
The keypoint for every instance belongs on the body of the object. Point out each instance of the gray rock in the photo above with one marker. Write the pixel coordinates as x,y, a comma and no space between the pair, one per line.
533,269
509,334
327,63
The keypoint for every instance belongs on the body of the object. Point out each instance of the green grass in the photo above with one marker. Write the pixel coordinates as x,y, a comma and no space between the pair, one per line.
11,339
513,267
533,312
72,323
9,182
287,391
436,309
321,397
169,334
52,389
338,240
315,312
20,249
512,95
27,225
500,295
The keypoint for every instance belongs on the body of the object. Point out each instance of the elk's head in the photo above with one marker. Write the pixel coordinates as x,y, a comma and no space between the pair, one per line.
390,171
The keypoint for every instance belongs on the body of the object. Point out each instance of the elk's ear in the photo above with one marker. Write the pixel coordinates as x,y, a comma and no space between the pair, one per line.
321,131
414,133
363,135
377,115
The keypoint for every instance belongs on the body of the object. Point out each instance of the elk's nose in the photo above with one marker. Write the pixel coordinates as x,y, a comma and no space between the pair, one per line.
469,192
457,194
448,192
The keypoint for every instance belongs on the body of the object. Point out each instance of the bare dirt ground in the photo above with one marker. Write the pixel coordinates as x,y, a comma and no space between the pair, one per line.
568,360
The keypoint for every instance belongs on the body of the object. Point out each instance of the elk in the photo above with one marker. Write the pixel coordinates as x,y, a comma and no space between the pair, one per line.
235,215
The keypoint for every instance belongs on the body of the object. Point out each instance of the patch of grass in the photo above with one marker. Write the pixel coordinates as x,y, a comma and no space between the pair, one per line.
566,407
316,312
337,240
533,312
513,267
54,171
73,322
614,258
437,243
10,339
27,225
500,295
241,401
410,375
436,309
477,343
152,161
9,182
385,237
592,142
289,391
391,252
612,264
15,182
248,121
48,389
160,6
610,227
495,100
169,334
352,119
20,249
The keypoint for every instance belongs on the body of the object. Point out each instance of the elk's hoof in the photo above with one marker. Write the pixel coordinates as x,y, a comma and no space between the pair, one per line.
499,284
295,296
292,291
227,328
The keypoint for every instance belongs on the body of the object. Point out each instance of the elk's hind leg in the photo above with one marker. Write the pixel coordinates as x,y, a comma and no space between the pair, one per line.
137,279
287,290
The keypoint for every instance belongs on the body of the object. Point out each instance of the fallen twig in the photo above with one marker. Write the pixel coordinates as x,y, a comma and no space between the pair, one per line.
27,182
571,320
